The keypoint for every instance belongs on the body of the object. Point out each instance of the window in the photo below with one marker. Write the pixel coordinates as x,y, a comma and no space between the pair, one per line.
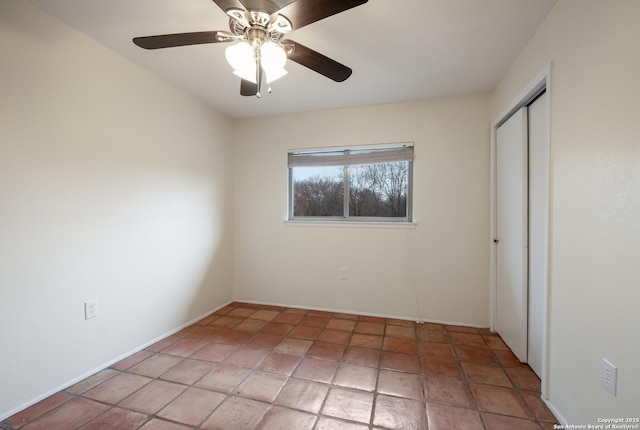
351,184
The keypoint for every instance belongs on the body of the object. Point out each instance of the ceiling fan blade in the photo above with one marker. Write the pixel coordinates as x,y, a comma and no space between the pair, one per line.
225,5
305,12
269,6
318,62
182,39
248,88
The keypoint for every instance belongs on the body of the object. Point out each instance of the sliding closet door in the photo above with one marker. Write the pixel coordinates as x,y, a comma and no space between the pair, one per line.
512,233
538,214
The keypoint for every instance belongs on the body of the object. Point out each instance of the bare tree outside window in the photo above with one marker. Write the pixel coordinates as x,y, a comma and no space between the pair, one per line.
374,191
318,196
379,190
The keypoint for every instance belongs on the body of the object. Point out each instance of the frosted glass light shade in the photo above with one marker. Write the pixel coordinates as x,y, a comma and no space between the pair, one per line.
272,75
273,58
241,58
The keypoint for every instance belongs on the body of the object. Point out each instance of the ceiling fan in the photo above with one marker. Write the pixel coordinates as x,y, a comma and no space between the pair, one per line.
260,27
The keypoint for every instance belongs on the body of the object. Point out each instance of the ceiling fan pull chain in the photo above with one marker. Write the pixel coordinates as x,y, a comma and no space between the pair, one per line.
258,72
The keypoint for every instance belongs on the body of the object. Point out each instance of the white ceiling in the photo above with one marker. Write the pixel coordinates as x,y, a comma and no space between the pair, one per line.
398,49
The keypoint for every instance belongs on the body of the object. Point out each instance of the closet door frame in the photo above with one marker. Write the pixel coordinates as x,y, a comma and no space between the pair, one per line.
542,82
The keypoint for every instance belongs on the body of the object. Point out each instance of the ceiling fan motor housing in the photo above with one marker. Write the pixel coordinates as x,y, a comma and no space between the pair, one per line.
257,27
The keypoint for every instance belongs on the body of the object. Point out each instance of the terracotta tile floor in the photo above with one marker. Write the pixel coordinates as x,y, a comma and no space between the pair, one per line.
263,367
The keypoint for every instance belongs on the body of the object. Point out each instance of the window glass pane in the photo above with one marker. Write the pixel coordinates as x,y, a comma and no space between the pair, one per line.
318,191
379,190
352,183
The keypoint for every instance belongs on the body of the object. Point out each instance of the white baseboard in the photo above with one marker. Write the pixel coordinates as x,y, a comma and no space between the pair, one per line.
85,375
368,314
555,411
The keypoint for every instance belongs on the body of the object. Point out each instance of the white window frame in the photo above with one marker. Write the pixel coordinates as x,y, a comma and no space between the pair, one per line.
346,157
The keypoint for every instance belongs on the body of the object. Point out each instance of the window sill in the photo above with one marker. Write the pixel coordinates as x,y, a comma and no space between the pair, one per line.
351,224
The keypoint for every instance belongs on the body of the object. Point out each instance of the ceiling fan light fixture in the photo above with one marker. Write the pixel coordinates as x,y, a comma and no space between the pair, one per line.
242,59
272,59
275,74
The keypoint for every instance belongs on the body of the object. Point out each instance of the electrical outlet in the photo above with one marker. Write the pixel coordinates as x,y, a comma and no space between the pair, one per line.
609,376
90,309
344,273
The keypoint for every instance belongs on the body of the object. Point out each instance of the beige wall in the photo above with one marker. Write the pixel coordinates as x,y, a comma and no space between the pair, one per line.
595,236
443,260
116,186
113,186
